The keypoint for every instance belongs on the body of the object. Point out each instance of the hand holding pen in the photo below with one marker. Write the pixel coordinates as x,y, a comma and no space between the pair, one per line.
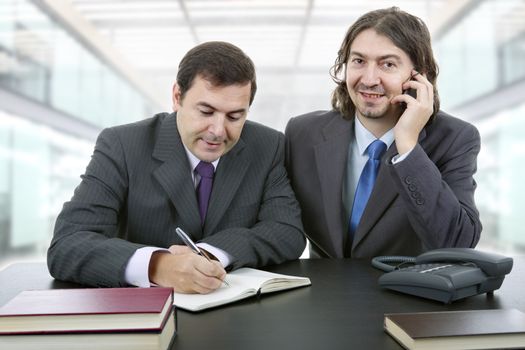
190,244
182,269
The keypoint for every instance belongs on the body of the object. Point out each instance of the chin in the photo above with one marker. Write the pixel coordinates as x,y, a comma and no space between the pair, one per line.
373,114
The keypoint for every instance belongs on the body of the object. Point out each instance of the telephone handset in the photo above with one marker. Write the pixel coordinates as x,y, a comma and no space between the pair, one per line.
446,274
410,91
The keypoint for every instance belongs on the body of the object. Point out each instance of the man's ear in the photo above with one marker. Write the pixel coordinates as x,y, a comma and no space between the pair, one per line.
176,97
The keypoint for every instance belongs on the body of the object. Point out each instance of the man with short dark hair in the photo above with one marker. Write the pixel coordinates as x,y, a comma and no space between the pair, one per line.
147,178
385,172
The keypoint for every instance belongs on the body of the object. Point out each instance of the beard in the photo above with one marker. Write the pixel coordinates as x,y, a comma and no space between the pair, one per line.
372,112
377,110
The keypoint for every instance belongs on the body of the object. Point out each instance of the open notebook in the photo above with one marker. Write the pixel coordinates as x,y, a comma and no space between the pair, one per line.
244,282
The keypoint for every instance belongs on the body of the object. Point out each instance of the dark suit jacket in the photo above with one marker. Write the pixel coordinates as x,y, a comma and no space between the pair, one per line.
137,189
424,202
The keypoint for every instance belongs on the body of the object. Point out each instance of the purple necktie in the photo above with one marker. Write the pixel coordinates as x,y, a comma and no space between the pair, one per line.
366,183
205,170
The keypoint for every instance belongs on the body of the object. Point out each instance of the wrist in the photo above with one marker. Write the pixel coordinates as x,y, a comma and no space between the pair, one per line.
405,145
155,263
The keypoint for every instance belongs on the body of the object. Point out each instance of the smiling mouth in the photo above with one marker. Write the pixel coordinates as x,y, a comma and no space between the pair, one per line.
371,95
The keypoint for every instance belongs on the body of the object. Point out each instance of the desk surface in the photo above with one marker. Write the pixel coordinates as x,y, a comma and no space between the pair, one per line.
343,309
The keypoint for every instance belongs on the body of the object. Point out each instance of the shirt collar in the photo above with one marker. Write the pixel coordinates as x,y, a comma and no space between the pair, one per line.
194,161
364,137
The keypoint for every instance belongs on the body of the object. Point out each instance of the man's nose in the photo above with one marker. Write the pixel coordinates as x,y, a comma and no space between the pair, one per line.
371,76
216,126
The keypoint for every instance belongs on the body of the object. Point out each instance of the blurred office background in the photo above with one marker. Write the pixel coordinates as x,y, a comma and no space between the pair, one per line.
69,68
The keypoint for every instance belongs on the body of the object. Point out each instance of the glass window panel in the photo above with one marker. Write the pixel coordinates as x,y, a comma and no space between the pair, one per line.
7,23
5,182
90,88
500,192
30,188
65,84
513,54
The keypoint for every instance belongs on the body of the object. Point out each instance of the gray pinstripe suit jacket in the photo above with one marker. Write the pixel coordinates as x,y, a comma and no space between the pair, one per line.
424,202
138,188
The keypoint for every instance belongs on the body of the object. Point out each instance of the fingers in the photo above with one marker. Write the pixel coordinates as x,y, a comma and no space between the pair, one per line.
417,112
203,276
186,272
212,269
425,90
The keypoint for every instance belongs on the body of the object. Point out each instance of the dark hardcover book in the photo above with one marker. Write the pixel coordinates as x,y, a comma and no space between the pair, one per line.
103,318
475,329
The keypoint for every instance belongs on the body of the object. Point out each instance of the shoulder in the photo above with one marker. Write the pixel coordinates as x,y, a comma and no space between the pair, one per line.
143,126
312,119
148,126
140,134
446,124
254,132
316,127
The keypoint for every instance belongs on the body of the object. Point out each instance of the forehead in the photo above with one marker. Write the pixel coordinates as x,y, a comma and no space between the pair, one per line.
371,44
226,97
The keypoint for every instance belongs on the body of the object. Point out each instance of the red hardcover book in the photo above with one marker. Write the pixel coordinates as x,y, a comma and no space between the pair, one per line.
139,318
86,310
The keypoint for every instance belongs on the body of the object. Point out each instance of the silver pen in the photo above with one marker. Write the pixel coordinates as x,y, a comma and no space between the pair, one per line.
189,243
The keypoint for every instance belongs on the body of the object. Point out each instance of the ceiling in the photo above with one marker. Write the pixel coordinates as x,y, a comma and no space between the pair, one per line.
153,35
293,43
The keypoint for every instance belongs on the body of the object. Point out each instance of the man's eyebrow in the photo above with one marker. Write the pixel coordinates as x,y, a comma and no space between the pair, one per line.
356,53
384,57
207,105
394,56
204,104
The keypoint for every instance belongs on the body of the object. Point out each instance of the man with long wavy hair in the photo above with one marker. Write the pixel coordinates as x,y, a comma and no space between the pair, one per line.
385,171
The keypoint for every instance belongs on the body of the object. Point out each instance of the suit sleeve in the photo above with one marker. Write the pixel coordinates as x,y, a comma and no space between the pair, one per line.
86,247
277,234
439,193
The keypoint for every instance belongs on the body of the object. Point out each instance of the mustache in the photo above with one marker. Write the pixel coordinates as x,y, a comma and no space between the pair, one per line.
378,89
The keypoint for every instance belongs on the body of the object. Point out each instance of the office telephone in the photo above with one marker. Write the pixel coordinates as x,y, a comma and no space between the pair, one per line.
446,274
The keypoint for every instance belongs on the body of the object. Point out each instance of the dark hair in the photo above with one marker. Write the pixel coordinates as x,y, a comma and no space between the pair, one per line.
220,63
407,32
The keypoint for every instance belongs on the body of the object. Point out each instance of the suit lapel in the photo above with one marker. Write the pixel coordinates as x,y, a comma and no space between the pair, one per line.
332,154
174,175
228,177
383,194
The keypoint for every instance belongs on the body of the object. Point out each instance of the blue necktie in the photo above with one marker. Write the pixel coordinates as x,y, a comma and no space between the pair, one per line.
206,171
366,183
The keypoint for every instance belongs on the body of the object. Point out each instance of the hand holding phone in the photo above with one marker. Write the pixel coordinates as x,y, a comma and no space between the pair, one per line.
411,91
418,101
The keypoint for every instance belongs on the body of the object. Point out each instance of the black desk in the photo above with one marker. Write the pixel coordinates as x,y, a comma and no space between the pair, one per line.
343,309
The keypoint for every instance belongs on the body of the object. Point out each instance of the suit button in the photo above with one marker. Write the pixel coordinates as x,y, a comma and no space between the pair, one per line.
408,180
416,195
420,201
412,187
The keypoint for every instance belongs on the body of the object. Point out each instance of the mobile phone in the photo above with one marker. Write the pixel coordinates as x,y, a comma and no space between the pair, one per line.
411,92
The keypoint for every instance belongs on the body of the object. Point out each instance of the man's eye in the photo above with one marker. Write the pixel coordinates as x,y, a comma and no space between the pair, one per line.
389,65
234,117
206,112
357,60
